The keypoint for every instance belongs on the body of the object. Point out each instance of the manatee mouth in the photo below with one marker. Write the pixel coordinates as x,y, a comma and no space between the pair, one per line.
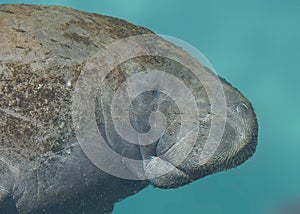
190,171
174,178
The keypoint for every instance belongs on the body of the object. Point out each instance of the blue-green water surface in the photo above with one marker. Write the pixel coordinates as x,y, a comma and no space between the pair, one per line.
255,45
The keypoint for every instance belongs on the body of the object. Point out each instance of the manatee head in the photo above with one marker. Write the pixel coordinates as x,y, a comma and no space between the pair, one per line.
166,117
151,119
207,127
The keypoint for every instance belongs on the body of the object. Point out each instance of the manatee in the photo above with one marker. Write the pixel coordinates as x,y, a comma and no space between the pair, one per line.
44,168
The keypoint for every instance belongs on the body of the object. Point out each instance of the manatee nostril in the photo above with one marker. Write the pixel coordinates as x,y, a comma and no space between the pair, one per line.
242,108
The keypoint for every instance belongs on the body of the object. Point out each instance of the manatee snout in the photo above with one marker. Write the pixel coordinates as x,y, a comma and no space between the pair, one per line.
237,144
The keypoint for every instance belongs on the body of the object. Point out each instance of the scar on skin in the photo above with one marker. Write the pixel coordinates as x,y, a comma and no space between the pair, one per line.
16,115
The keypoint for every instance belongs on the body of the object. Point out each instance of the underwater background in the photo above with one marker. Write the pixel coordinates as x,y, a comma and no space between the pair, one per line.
255,45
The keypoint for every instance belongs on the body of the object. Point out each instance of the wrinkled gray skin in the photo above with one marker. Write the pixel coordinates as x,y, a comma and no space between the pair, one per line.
43,168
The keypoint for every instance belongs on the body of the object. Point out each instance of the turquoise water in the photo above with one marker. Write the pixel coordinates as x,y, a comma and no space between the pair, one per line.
255,45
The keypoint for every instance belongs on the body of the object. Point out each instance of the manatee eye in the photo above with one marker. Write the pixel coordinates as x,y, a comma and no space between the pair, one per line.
242,108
